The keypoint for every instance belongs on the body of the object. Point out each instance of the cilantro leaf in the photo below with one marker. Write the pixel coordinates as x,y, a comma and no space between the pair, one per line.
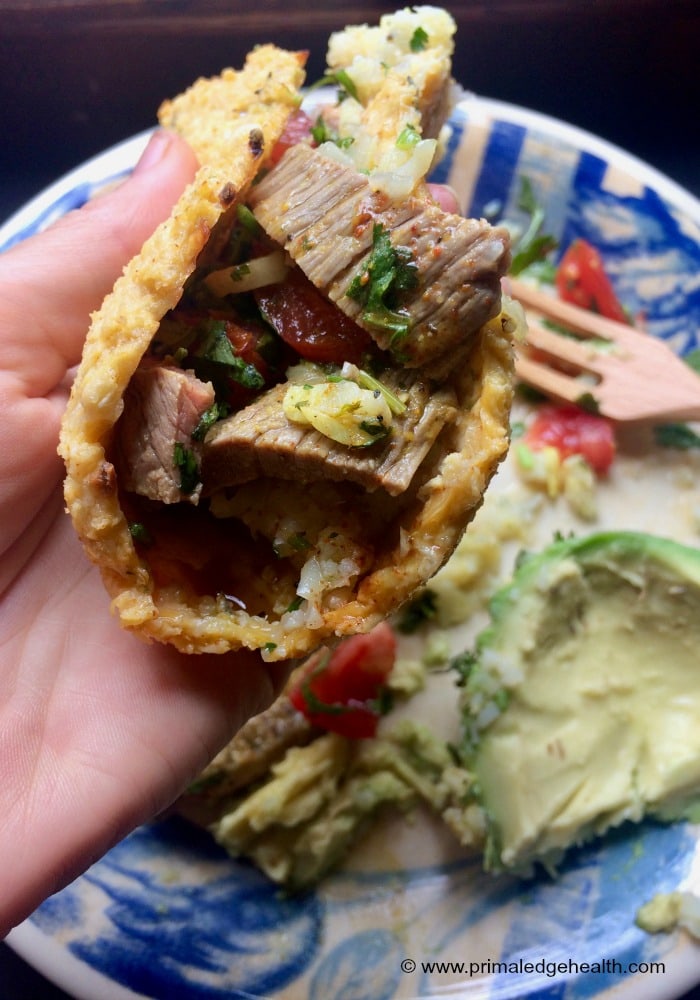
421,609
321,132
676,435
341,79
419,39
208,419
217,348
533,245
184,460
390,271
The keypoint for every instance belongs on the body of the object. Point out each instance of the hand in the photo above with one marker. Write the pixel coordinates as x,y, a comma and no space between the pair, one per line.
98,731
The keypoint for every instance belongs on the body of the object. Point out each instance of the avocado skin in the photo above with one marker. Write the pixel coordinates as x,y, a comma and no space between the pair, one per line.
549,598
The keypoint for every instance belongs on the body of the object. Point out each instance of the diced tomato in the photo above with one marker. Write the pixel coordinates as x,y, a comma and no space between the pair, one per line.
244,340
573,431
310,323
339,691
581,279
298,128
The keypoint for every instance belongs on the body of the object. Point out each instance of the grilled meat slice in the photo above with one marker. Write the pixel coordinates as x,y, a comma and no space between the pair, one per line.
162,407
255,747
259,744
324,213
261,441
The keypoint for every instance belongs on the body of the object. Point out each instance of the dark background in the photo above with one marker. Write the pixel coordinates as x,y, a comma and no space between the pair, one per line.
77,76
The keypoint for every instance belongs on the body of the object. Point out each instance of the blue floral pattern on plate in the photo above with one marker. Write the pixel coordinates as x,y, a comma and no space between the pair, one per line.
167,915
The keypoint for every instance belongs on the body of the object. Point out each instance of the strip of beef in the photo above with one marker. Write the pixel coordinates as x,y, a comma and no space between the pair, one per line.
323,213
261,441
259,744
162,407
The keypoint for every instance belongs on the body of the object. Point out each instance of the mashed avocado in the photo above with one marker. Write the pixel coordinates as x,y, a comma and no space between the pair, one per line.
581,706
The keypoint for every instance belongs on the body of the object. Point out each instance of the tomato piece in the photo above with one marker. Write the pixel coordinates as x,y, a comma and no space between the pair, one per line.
297,129
573,431
310,323
339,691
581,280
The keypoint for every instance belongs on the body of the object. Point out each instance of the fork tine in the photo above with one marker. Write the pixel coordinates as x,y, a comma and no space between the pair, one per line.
548,380
640,379
575,352
575,319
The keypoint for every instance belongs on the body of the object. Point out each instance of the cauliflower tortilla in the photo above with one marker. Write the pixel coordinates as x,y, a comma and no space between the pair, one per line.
265,451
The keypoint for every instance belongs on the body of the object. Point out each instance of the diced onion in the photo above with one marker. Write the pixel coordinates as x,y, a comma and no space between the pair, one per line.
342,411
307,373
268,270
367,381
398,179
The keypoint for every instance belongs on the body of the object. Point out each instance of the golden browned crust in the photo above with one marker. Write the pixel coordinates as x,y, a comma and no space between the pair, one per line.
232,151
214,114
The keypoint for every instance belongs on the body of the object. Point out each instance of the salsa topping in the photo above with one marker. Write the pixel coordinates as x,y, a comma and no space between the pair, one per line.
344,691
573,431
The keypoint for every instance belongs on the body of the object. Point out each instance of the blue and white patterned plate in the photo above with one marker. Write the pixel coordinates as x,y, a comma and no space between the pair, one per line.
168,915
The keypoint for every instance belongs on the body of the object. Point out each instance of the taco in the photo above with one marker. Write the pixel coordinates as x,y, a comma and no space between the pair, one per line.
290,406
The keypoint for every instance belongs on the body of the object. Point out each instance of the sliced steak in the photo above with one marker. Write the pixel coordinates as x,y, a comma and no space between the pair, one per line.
259,744
255,748
261,441
324,212
162,407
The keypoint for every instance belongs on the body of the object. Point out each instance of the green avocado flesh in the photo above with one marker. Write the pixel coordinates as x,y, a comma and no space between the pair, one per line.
582,709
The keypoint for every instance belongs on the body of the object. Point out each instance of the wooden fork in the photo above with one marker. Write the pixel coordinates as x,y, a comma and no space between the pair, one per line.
634,377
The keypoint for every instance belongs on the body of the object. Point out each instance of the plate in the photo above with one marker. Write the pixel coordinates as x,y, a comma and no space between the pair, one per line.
167,915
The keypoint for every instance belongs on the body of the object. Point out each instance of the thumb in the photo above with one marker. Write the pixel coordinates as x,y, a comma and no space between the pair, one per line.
50,283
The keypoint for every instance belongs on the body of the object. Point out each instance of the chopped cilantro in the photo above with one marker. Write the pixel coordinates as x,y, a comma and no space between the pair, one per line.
208,419
240,271
421,609
390,271
295,604
408,137
676,435
463,663
533,246
588,402
242,235
248,220
419,39
299,542
217,347
184,460
140,533
383,703
377,429
315,705
269,646
321,133
340,78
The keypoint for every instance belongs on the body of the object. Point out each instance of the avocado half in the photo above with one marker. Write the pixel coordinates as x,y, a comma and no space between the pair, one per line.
581,703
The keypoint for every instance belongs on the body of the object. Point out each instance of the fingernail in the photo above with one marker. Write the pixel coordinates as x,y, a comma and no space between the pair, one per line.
157,147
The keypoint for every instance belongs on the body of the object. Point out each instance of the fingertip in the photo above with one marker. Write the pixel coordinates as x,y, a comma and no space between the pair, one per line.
164,144
130,212
446,197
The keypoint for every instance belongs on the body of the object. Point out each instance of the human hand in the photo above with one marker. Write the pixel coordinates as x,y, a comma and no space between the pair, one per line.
98,731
